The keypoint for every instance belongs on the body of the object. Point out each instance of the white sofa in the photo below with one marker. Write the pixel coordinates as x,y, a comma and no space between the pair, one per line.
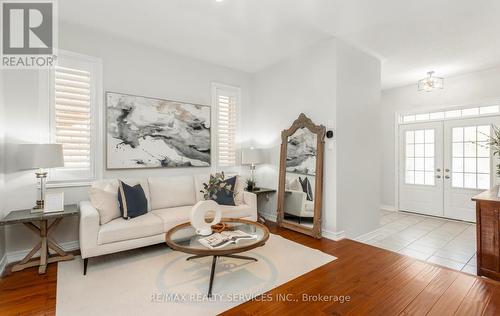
296,204
170,201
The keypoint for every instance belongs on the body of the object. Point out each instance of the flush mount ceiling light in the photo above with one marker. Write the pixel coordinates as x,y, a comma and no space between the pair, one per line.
430,83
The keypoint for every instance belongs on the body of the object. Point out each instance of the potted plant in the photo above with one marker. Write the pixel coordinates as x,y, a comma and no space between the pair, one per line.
251,185
493,143
215,184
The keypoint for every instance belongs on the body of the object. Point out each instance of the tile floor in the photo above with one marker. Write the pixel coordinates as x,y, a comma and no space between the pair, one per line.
444,242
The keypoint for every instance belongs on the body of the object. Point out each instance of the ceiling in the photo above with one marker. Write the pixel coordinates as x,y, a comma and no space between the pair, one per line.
410,37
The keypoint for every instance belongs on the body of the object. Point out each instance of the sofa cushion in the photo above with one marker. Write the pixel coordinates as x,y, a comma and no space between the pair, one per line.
105,201
171,191
239,187
238,190
174,216
294,185
225,195
121,229
114,183
133,202
306,187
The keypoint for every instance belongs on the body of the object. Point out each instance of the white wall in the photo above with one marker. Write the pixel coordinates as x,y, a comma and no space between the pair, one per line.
271,100
358,140
329,81
127,67
469,89
303,83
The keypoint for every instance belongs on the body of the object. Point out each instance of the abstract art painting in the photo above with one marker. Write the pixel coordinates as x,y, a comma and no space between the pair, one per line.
146,132
301,152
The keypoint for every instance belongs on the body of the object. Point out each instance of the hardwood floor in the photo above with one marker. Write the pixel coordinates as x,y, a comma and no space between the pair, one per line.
28,293
377,282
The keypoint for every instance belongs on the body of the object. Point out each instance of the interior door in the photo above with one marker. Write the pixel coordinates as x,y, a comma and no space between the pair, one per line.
469,168
420,168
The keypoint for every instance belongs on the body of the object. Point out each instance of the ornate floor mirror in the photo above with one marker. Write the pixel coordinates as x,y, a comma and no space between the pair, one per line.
300,189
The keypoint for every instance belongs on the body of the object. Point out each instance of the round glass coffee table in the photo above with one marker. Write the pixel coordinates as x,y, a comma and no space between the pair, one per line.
184,238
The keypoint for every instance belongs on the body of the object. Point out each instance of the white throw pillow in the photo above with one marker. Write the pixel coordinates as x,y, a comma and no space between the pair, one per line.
239,187
294,185
102,184
105,200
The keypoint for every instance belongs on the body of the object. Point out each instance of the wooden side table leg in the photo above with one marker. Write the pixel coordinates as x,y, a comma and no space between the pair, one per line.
44,247
60,255
26,263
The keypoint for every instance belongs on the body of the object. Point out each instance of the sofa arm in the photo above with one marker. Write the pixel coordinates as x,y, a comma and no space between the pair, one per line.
295,202
89,228
250,199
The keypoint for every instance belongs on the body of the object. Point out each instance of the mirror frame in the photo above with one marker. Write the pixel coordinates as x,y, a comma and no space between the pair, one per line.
320,131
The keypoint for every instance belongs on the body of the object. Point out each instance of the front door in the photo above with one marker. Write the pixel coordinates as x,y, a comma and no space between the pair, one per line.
468,168
443,164
420,168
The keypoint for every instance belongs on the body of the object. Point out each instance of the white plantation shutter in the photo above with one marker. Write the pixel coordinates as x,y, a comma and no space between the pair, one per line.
72,116
227,119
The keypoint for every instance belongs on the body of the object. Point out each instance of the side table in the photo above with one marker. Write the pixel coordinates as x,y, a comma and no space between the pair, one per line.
39,224
263,192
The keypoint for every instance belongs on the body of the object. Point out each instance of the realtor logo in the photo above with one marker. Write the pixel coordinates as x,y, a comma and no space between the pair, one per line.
28,39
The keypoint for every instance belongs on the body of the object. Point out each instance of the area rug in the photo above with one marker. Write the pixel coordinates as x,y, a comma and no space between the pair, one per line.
159,281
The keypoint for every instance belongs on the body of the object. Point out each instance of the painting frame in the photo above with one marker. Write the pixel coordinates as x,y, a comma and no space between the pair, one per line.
107,144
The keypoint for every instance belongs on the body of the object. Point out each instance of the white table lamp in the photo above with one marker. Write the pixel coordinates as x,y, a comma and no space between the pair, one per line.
40,157
252,156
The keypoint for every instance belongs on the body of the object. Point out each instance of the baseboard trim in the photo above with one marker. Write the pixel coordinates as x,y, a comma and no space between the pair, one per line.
15,256
390,208
273,217
335,236
3,264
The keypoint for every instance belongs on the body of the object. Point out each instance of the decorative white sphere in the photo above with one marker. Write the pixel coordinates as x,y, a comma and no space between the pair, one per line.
199,213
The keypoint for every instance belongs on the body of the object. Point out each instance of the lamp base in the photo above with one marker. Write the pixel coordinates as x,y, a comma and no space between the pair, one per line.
42,175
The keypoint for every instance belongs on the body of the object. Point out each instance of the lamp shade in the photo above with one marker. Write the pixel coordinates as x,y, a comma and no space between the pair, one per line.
35,156
252,156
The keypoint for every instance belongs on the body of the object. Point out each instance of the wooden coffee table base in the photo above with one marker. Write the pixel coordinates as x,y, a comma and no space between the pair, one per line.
214,261
46,243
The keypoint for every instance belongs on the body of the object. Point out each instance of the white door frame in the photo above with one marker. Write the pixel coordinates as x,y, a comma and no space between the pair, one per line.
427,198
397,117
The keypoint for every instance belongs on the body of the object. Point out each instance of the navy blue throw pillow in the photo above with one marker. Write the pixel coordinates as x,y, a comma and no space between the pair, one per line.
225,197
306,188
132,200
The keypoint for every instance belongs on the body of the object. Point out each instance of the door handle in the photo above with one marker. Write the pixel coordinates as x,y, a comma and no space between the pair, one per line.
446,177
438,176
438,170
447,170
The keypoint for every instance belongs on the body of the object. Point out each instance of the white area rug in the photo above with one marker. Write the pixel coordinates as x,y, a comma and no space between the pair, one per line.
159,281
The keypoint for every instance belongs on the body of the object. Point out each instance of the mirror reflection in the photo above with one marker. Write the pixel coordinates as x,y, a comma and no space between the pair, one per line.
300,177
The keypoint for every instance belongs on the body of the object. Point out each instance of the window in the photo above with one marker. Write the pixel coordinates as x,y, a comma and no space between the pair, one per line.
419,154
226,100
470,157
74,116
451,114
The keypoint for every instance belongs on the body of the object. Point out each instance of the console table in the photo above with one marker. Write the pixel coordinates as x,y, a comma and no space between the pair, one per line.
488,233
262,192
39,224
